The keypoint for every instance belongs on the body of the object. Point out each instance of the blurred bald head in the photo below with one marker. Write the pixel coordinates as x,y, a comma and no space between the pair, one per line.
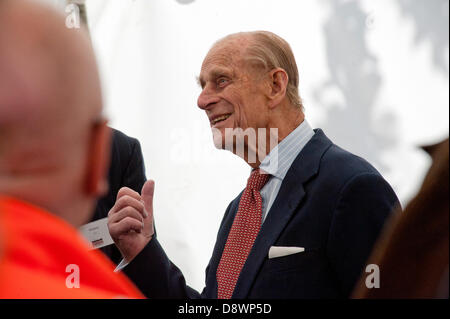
50,100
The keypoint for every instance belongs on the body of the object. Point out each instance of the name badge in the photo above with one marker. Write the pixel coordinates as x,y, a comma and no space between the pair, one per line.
97,233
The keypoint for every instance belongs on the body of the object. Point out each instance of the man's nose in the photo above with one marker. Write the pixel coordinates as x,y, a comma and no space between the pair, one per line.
207,98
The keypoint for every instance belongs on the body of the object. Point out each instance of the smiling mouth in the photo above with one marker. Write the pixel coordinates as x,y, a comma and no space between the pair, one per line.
220,118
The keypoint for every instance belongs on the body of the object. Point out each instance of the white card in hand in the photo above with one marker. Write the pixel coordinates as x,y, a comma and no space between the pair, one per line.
97,233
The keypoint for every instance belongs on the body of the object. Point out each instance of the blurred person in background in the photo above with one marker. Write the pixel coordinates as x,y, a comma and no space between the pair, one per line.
412,253
54,155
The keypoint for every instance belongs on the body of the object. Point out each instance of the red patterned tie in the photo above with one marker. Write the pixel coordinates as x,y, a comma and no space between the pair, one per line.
244,230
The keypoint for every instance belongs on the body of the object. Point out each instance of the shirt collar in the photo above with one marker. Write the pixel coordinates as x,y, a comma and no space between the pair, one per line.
280,158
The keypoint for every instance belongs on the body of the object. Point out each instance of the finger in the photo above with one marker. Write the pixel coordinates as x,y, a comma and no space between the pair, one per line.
124,227
125,212
128,191
127,201
147,196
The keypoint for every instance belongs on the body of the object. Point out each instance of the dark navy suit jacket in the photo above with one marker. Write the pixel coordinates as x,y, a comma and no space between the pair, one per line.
126,169
331,202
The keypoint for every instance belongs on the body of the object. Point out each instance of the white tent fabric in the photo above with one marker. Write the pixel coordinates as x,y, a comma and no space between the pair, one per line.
373,75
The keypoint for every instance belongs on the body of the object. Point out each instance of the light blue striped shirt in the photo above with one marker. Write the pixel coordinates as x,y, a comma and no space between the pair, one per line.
279,160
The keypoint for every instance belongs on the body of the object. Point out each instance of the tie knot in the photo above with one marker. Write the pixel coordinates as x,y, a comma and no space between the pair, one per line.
256,181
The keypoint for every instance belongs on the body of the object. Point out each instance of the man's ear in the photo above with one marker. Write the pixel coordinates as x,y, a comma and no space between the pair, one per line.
277,86
98,160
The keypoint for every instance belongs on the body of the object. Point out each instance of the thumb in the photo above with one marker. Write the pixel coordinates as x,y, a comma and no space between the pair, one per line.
147,196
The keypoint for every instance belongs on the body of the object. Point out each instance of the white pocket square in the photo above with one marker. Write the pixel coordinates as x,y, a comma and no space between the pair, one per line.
280,251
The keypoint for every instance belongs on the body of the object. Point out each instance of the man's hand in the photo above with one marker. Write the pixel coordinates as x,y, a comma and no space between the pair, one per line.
130,220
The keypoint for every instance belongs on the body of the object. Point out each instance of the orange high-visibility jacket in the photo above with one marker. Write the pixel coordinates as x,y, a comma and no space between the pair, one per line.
42,256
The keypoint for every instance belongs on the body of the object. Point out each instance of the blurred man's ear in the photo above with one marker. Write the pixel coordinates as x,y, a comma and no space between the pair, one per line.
98,160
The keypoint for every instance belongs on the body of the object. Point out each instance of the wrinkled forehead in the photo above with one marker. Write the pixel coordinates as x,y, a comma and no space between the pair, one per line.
226,54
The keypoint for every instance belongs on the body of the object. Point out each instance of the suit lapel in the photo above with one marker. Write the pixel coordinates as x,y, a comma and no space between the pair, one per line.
289,197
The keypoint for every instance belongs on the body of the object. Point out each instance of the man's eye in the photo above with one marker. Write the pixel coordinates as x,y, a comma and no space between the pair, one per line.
222,82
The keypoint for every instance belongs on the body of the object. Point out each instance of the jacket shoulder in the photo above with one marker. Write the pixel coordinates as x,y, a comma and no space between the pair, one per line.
347,164
121,141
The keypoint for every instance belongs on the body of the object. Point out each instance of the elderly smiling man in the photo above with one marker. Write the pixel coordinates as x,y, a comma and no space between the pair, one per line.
302,228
